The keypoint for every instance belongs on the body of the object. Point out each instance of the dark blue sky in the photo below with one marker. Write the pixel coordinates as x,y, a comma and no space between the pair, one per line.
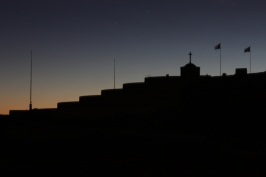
74,43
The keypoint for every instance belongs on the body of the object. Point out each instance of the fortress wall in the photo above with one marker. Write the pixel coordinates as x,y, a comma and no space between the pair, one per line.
33,112
67,105
147,94
111,107
90,99
161,79
106,107
110,93
44,111
134,86
156,95
18,112
119,95
166,92
127,108
225,91
155,88
68,110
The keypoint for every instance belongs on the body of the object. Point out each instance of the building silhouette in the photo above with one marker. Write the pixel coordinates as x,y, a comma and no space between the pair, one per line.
188,123
186,94
190,70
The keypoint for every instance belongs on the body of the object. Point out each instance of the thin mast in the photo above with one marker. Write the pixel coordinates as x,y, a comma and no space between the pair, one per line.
220,60
114,73
30,81
250,61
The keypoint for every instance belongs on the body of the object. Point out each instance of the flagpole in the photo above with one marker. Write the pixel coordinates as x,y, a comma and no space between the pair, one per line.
220,48
250,61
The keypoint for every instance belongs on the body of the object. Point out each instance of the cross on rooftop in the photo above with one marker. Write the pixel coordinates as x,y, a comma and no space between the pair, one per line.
190,57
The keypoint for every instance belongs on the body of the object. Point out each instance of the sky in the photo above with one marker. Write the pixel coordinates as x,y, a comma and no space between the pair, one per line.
74,44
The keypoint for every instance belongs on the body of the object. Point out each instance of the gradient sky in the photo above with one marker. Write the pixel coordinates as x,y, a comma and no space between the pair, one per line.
75,42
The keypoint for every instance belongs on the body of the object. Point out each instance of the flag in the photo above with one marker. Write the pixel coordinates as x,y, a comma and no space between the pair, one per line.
217,46
247,50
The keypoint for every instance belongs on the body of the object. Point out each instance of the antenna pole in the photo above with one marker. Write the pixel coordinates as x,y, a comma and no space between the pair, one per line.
250,62
114,73
30,82
220,61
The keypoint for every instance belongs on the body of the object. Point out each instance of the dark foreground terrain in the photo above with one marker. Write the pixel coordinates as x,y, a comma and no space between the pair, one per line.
130,156
123,147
